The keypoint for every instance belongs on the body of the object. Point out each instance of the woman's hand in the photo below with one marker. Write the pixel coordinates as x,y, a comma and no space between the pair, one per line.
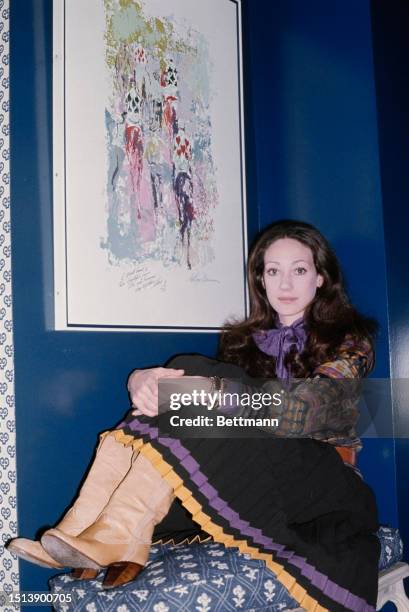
143,388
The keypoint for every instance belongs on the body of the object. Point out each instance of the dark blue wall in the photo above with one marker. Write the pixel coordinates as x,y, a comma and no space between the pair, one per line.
314,124
312,153
391,44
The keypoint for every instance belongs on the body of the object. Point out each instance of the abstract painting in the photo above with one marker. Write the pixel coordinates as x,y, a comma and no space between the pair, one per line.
149,202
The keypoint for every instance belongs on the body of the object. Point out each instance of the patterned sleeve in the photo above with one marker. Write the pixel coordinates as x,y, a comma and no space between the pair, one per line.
355,359
324,406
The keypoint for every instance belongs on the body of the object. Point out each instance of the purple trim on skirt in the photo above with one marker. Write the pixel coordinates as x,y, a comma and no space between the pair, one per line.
319,580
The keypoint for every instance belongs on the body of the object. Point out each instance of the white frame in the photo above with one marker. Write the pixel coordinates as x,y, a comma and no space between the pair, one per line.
63,321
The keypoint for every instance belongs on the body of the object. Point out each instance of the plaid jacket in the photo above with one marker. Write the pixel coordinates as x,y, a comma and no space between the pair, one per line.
325,405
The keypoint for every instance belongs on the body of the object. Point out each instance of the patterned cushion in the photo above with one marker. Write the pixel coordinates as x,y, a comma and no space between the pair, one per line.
391,547
198,577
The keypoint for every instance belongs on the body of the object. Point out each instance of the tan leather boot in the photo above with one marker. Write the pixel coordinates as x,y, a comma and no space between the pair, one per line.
123,531
111,464
31,550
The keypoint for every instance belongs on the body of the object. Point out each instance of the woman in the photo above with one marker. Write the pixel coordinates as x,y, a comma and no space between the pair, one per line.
285,497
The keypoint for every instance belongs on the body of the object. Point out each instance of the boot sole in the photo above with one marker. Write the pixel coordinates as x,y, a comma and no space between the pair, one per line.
66,554
23,554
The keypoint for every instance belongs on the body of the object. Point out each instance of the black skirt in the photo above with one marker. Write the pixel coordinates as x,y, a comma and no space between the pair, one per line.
291,502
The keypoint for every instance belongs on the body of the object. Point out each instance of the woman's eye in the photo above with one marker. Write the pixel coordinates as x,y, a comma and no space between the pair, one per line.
300,271
272,271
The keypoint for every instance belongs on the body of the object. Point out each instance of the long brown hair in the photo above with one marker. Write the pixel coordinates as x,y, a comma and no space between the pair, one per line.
329,318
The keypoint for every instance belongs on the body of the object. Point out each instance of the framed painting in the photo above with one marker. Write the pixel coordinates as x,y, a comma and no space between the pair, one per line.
149,172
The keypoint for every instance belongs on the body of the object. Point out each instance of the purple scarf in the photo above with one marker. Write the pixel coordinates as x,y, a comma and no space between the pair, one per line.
278,342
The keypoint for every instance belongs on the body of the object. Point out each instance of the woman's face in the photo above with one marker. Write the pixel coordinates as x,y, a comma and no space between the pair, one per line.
290,278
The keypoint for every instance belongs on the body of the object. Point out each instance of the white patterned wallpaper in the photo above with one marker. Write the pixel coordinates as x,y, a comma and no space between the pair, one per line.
9,577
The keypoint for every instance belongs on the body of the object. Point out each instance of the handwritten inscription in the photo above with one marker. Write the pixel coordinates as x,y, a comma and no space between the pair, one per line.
142,279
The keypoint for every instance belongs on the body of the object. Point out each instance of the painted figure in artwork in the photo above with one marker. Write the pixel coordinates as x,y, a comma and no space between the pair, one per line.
161,183
183,186
134,136
169,83
157,155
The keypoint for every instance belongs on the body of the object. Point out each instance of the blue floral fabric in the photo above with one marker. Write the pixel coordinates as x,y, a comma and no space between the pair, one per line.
391,547
203,577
